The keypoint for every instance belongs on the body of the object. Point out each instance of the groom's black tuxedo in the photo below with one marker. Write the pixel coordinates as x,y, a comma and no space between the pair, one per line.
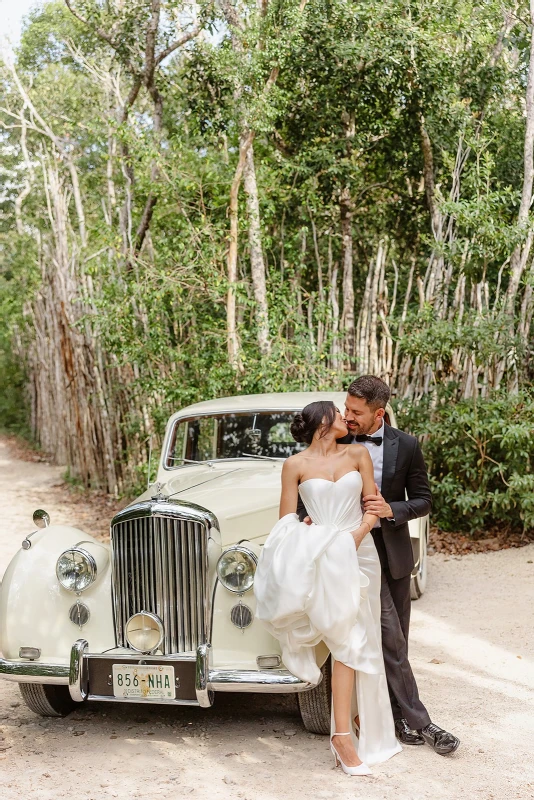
406,488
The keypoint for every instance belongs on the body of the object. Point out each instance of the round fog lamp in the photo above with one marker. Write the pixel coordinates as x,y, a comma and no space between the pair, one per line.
79,614
236,568
76,569
144,632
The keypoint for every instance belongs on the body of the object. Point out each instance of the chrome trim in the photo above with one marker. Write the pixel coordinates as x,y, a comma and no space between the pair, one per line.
271,681
184,576
34,672
179,509
204,696
159,556
141,658
40,515
92,563
241,549
264,658
242,617
155,701
207,681
26,544
77,671
77,611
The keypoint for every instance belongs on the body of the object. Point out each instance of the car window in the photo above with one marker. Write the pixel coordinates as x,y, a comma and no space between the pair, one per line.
265,433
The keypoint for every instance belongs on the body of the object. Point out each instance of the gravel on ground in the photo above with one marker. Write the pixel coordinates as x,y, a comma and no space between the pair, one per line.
471,648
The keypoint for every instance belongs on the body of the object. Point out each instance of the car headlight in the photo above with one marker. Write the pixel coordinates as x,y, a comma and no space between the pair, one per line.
236,568
76,569
144,631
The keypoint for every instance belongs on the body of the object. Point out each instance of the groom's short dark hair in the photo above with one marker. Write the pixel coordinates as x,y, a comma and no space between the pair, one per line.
373,390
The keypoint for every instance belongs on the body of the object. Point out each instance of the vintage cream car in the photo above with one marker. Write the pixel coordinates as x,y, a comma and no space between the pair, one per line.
165,612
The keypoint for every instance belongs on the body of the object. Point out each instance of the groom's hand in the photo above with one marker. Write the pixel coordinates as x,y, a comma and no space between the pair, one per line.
307,520
375,504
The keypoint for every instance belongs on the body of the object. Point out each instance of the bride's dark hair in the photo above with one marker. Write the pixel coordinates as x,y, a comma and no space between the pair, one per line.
310,418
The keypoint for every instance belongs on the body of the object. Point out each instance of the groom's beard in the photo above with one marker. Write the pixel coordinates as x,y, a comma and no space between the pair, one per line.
356,429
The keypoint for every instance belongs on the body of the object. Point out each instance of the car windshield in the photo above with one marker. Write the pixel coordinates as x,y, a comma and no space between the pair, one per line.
262,434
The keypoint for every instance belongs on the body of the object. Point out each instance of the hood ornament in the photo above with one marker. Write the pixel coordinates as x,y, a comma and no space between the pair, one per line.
157,492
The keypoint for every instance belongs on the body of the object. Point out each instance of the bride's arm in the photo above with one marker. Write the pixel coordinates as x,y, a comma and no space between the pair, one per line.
365,466
290,487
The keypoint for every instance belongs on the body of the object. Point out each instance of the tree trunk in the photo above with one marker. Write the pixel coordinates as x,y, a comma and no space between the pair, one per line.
257,263
334,306
234,348
347,317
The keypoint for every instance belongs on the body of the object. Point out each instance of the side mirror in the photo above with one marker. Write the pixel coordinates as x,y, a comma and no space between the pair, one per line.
41,518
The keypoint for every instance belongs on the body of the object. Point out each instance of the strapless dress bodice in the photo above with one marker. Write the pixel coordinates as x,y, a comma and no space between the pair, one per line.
334,502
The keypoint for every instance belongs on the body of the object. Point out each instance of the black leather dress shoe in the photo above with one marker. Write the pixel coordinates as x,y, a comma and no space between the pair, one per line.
405,734
442,742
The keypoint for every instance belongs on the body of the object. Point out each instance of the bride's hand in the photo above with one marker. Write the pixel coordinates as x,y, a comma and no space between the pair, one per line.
360,533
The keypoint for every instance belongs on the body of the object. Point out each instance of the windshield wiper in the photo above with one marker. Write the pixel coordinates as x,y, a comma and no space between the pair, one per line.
228,458
190,461
266,458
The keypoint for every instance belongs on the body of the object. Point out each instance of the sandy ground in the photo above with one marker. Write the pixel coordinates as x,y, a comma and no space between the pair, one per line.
471,648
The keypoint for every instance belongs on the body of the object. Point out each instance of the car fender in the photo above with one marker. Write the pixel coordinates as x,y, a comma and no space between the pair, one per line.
34,607
231,645
240,648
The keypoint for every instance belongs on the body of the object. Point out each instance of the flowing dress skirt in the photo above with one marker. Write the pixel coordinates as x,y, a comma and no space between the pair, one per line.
312,585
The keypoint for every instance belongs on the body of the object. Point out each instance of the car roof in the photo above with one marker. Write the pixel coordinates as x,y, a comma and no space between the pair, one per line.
274,401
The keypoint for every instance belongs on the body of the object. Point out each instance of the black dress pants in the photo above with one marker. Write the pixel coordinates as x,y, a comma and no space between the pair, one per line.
395,619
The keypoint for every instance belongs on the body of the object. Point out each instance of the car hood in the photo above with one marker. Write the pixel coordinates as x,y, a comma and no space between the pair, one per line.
243,495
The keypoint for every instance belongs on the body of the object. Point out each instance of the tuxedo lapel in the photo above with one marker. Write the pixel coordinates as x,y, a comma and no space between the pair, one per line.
391,449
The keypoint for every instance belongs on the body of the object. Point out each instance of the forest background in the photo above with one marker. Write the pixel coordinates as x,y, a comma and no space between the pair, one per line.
220,197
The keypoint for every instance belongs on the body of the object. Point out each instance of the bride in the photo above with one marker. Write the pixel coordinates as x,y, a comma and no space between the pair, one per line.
322,582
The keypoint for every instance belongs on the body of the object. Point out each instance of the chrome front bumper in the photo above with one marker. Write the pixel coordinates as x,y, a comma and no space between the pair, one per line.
207,679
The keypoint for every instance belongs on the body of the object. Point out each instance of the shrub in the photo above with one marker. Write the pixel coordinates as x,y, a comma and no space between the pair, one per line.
479,454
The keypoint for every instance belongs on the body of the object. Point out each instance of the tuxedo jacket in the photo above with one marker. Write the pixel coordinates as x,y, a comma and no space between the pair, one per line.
405,486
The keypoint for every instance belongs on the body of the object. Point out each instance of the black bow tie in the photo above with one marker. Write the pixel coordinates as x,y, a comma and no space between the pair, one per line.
363,437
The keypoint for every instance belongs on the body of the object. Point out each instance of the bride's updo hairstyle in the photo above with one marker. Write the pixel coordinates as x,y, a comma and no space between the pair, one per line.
313,416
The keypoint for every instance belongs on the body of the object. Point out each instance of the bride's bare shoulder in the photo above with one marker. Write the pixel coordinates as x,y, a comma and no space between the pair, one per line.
356,452
293,464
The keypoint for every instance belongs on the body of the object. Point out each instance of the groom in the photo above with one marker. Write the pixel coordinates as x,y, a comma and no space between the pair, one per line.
400,473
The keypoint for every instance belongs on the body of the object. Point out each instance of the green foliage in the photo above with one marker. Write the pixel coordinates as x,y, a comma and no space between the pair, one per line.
480,454
14,414
483,337
15,278
354,84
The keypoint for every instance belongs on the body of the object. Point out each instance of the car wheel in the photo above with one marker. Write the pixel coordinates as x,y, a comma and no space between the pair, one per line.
315,704
47,700
418,582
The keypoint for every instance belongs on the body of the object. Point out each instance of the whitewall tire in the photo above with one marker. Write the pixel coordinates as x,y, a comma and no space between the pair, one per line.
418,582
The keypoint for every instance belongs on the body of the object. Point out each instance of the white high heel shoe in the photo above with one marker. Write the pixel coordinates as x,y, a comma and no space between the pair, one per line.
361,769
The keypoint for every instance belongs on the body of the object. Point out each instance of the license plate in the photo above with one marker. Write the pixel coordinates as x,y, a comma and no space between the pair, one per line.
146,682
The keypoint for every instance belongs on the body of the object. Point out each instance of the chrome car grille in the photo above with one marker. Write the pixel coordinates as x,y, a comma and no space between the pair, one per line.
160,565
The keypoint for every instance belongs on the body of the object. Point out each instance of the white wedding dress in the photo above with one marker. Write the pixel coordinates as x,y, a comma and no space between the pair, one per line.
312,584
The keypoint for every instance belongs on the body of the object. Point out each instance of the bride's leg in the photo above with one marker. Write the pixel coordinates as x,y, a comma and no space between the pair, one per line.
342,688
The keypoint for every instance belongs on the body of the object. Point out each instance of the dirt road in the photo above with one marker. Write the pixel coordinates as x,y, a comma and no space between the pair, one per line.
471,647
